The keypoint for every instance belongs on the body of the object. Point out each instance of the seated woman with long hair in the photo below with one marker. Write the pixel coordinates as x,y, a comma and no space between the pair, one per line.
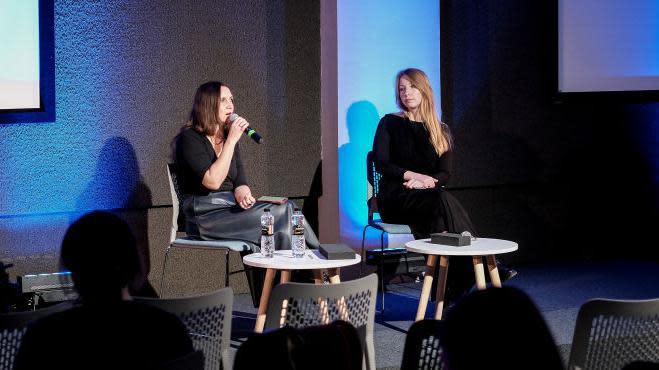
413,152
217,201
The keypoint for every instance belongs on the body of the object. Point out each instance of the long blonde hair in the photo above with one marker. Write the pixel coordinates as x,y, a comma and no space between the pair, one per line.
440,137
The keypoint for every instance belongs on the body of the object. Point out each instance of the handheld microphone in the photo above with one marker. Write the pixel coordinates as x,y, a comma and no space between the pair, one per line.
248,131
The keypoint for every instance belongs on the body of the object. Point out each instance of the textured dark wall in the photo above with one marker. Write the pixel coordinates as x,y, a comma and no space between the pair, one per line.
565,178
126,73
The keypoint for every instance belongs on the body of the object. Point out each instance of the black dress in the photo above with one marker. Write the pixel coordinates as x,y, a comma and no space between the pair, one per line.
214,215
402,145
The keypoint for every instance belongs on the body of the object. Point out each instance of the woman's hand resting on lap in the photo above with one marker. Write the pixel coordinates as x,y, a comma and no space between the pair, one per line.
418,181
244,197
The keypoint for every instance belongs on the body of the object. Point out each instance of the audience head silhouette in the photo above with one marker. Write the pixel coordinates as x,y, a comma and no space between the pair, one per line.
498,328
100,251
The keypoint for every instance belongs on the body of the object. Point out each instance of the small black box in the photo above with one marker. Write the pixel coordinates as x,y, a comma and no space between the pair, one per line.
455,240
337,252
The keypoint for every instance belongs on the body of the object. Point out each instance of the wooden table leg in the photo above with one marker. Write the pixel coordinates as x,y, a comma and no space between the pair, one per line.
334,275
318,277
285,276
494,271
441,286
425,290
263,303
479,271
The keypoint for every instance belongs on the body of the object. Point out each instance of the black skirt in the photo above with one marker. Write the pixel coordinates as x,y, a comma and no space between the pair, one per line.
429,211
426,211
217,216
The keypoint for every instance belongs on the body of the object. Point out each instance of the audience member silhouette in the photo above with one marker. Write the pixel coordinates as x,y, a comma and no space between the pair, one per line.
106,330
322,347
498,329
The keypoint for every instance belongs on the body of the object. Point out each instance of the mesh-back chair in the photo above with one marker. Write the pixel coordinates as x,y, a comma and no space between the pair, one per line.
423,347
372,191
13,326
194,242
208,321
610,334
300,305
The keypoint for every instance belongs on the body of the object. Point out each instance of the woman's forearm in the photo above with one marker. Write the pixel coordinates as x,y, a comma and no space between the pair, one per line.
217,172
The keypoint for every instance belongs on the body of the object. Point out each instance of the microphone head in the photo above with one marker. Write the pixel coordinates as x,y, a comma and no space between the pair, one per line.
233,117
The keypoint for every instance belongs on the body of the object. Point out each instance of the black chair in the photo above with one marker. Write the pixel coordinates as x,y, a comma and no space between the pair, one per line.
423,347
208,321
13,326
612,334
378,257
192,242
300,305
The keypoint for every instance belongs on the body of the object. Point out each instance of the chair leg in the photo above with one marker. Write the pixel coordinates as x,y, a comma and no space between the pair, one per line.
382,267
226,269
369,352
164,268
361,264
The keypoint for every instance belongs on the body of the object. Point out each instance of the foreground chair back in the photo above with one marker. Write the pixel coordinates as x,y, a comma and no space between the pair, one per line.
610,334
423,347
208,320
194,242
13,326
300,305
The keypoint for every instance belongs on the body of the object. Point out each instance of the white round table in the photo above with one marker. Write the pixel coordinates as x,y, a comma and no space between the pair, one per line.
479,248
283,260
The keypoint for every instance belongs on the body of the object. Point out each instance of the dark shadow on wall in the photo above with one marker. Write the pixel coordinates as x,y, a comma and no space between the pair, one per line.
310,205
362,120
117,184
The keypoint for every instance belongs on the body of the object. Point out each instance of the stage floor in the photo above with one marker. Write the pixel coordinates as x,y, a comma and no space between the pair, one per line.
557,289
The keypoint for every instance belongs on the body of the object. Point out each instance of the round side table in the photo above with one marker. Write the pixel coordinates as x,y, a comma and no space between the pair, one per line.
283,260
479,248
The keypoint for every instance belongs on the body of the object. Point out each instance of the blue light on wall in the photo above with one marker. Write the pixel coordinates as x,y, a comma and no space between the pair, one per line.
376,39
76,162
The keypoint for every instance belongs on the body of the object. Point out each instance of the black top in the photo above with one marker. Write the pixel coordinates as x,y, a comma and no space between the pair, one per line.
194,155
402,145
118,335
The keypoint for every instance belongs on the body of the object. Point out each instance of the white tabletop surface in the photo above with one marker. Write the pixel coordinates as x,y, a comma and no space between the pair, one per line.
478,247
284,260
